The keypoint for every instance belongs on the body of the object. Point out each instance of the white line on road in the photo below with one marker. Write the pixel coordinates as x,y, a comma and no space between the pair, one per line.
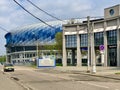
93,84
97,85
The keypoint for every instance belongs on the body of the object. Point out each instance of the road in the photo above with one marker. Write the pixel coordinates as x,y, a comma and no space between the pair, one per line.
6,83
49,79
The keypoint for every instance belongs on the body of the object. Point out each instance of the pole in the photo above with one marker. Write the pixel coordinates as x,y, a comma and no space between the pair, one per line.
93,50
37,49
24,52
102,58
88,45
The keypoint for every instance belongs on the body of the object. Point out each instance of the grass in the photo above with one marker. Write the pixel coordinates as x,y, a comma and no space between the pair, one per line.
118,73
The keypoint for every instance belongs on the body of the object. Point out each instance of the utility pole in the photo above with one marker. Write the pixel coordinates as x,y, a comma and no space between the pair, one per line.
93,50
37,49
88,45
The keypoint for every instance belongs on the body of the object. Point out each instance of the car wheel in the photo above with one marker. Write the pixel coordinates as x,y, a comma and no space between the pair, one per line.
4,70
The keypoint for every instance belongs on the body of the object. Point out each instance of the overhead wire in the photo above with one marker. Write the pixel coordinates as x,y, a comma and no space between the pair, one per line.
33,15
46,13
43,10
3,29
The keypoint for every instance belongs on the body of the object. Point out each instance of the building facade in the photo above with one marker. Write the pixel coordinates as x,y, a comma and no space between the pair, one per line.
93,42
23,44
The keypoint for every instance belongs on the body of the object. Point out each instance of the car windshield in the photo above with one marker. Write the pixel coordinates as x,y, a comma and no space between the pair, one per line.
8,65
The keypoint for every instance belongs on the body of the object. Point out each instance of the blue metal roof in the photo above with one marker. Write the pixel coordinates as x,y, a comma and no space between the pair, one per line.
31,34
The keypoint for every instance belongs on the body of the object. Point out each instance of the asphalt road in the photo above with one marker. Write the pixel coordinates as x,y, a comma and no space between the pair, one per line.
6,83
49,79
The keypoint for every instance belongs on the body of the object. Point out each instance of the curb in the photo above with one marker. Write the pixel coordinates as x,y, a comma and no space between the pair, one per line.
102,76
85,73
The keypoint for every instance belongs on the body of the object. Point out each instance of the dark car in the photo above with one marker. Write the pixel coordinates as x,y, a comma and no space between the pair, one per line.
8,67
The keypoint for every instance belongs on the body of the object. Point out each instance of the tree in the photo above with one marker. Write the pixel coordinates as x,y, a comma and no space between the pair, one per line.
58,39
2,58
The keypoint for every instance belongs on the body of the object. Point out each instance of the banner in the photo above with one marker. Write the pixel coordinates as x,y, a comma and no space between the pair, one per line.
47,61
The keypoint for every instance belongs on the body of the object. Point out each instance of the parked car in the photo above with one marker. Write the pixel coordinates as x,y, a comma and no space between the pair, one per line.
8,67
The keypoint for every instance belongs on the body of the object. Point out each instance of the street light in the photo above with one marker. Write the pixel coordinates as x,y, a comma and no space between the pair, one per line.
88,45
36,45
93,51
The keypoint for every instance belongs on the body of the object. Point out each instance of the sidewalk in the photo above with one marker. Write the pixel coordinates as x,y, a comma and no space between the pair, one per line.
106,72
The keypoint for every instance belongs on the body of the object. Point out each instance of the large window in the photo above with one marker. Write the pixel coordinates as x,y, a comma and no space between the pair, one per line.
99,40
112,37
83,40
71,41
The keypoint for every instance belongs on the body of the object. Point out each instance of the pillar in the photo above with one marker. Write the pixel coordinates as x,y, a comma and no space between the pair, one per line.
93,50
64,59
79,61
105,45
118,43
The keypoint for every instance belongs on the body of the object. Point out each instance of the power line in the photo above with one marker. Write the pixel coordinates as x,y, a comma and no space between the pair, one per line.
3,29
33,14
43,10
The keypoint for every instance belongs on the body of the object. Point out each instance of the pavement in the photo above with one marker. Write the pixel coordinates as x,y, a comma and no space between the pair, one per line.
106,72
7,83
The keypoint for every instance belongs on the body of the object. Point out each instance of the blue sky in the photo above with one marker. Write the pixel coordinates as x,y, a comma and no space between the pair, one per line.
12,16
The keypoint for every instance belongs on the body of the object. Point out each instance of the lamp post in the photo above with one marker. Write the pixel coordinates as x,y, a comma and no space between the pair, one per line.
37,48
36,45
88,45
93,50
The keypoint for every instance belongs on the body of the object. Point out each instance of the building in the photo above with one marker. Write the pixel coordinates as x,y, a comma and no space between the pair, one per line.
23,44
96,41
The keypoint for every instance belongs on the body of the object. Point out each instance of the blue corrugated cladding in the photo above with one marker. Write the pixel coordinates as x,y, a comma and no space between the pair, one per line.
29,36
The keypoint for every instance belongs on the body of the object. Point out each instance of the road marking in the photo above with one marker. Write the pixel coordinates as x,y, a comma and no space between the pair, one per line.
97,85
93,84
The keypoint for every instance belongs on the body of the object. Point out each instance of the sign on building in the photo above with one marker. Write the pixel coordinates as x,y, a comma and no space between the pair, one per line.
101,47
47,61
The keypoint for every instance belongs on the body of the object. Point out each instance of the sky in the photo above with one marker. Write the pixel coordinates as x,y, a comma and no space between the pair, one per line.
12,16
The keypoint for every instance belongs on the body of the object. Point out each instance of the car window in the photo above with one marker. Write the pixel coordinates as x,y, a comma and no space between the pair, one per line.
8,65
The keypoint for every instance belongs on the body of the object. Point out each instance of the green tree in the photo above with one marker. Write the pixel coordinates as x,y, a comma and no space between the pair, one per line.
58,39
2,58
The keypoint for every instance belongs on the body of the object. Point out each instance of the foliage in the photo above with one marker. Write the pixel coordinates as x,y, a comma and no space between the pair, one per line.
118,73
58,39
49,47
84,52
2,58
58,64
97,52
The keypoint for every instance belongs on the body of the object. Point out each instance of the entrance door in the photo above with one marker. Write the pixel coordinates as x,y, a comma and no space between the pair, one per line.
112,57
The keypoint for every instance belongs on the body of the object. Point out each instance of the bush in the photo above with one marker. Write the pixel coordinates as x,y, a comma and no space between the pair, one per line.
59,64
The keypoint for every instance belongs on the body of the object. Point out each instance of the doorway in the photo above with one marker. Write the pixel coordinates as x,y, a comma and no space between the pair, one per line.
112,57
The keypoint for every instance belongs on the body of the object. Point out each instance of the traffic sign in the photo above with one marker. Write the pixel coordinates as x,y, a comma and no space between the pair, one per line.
101,47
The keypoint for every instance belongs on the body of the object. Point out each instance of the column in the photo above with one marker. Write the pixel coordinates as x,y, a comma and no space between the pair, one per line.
64,59
93,50
105,44
6,54
11,60
78,48
118,43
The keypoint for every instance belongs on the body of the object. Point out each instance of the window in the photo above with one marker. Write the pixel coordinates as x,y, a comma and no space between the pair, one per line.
83,40
99,40
71,41
112,37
